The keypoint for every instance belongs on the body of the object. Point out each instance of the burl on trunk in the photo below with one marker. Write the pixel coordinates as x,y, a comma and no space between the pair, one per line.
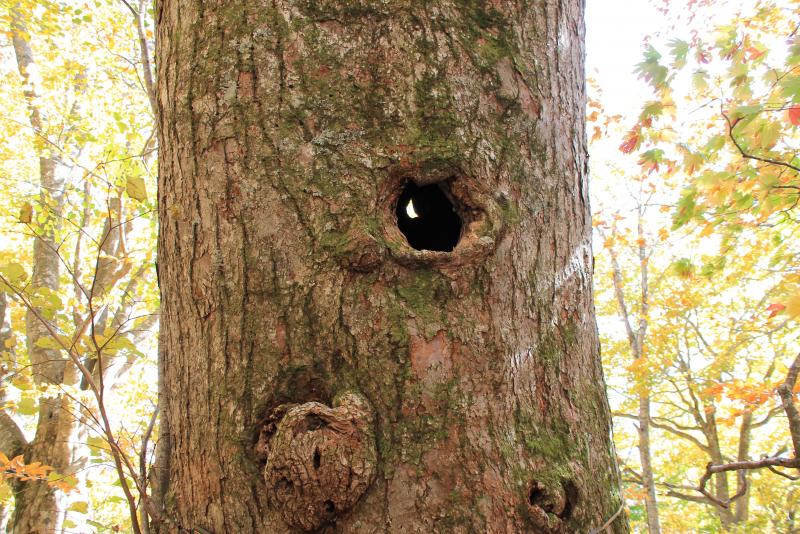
375,267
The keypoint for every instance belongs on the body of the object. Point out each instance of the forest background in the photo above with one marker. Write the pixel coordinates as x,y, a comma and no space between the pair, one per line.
694,109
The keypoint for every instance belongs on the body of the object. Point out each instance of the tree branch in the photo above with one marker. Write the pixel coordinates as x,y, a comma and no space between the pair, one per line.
731,126
667,428
144,53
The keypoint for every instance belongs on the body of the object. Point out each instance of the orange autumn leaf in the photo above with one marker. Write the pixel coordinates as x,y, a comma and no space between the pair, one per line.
794,115
630,143
775,309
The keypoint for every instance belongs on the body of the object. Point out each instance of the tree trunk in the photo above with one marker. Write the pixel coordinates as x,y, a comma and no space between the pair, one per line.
35,507
643,428
742,507
321,374
721,488
636,340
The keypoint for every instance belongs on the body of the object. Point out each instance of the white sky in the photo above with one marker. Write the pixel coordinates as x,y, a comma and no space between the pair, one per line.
614,33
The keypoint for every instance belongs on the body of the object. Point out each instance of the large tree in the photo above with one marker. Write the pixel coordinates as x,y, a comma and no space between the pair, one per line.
375,267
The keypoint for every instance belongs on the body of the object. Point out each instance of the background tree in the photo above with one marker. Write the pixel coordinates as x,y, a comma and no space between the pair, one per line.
317,369
714,150
81,300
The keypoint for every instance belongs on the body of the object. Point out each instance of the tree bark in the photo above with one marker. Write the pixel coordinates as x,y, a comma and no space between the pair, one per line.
320,374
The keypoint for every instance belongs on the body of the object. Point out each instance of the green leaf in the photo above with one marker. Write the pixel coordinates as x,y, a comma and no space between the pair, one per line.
700,80
27,406
687,205
680,49
715,143
134,186
13,272
99,526
683,268
790,88
769,134
96,445
81,507
746,113
654,108
650,69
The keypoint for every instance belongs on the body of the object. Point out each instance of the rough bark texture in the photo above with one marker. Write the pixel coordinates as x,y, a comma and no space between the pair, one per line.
287,132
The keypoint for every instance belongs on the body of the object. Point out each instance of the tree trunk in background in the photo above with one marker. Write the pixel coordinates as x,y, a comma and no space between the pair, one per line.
643,428
35,508
318,372
742,506
721,488
637,335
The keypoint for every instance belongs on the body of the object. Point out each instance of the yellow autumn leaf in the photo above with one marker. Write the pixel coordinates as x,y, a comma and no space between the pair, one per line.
793,305
134,186
26,213
81,507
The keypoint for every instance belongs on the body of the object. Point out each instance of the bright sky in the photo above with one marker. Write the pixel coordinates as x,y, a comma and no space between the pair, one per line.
615,30
614,33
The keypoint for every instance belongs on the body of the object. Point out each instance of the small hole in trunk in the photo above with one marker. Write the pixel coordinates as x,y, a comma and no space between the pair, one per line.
317,458
428,218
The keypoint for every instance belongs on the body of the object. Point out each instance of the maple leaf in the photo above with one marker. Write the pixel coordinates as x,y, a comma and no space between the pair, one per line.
794,115
630,143
775,309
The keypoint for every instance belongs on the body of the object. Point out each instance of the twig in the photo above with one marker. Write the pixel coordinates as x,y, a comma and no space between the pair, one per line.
610,519
731,126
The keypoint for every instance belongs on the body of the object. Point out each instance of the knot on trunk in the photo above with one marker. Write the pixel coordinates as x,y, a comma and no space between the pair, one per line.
319,460
550,507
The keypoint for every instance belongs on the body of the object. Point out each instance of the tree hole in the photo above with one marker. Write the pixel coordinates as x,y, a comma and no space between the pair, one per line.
572,495
428,218
330,507
538,497
317,458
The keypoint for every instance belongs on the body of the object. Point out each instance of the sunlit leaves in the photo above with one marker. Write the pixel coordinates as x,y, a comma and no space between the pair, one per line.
679,50
790,88
13,273
651,70
35,471
717,133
